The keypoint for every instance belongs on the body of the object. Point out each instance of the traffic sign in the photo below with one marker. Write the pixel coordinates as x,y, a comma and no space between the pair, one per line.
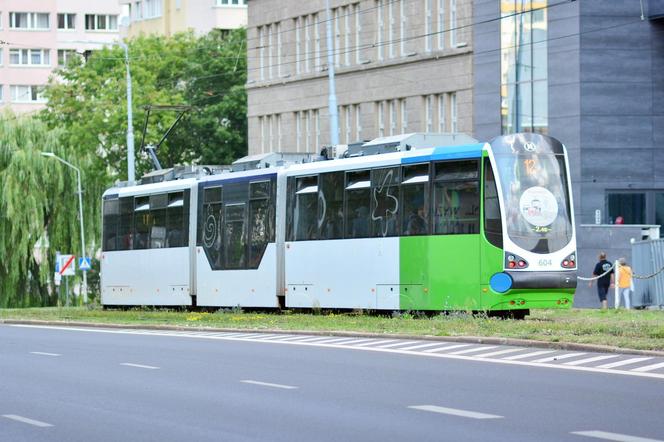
66,265
84,264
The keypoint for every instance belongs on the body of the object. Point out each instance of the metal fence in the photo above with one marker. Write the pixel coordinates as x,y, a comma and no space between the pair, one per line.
648,262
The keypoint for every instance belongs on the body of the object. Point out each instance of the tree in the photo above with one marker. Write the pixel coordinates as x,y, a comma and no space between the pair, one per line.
88,100
38,204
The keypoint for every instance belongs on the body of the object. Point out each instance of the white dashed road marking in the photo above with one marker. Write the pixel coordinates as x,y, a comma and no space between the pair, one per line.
149,367
41,353
455,412
593,359
558,357
528,355
499,352
26,420
472,350
268,384
447,347
623,362
649,367
415,347
614,436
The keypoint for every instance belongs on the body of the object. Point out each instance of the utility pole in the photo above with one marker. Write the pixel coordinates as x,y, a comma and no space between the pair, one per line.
332,100
131,171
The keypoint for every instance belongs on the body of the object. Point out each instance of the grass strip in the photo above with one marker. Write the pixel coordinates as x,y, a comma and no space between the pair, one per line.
632,329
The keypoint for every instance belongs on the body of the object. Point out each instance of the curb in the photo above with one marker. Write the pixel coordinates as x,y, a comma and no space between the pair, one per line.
463,339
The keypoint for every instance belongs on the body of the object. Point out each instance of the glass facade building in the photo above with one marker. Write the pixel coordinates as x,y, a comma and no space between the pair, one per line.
524,80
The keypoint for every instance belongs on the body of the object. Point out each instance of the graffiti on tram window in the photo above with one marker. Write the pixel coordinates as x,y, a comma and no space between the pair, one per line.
386,205
210,228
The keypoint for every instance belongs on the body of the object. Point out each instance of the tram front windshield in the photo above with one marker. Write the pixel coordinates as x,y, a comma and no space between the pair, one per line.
533,181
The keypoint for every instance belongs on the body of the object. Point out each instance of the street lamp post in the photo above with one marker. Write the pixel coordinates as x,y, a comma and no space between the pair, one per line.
80,215
131,174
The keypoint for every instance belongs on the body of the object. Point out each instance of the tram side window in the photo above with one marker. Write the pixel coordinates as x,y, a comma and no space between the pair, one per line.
415,200
177,220
111,224
385,201
456,197
493,227
158,212
142,222
260,222
358,204
235,236
210,222
126,224
331,205
305,211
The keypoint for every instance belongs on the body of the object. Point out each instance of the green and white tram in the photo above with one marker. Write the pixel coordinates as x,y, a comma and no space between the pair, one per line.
486,226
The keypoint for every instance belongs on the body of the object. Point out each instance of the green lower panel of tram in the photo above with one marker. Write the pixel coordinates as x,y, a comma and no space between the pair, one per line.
452,272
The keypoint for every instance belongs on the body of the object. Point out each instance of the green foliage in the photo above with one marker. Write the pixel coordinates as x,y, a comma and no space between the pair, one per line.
38,203
207,73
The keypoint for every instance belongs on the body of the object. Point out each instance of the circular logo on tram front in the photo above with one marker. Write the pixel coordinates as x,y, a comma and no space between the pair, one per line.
538,206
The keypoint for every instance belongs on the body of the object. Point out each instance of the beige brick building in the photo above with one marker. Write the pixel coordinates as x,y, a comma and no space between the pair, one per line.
401,66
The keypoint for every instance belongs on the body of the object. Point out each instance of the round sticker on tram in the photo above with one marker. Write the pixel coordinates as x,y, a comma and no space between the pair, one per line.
538,206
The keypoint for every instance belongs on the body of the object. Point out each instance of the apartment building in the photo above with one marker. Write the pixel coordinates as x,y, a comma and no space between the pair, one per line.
401,66
167,17
37,36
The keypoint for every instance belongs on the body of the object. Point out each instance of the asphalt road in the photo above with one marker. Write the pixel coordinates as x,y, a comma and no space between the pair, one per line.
78,385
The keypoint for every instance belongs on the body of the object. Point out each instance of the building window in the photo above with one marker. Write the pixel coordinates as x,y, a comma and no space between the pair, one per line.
101,22
29,20
358,122
231,2
428,113
65,56
152,8
441,24
347,32
627,208
453,112
298,44
261,45
391,32
27,94
261,125
298,132
403,27
358,29
428,24
404,115
277,32
441,113
307,43
270,61
453,22
138,11
393,117
66,21
29,57
524,82
379,28
381,118
317,129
